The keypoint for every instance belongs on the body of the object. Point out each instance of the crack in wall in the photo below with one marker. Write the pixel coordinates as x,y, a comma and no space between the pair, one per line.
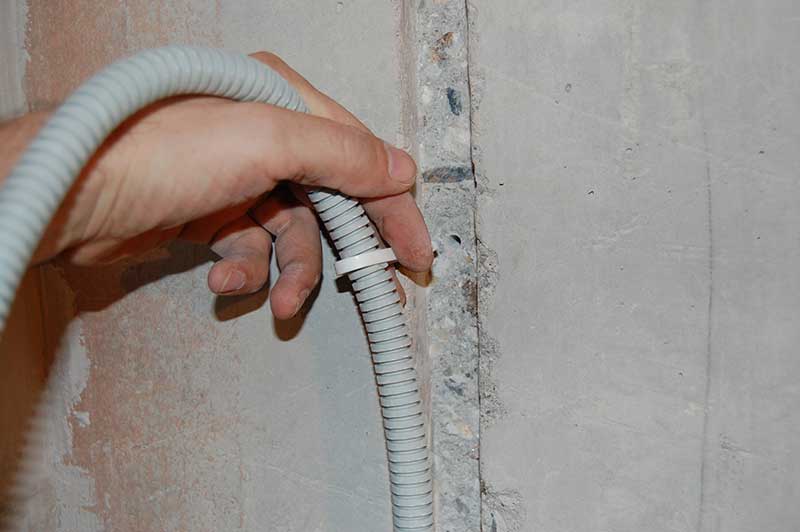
501,509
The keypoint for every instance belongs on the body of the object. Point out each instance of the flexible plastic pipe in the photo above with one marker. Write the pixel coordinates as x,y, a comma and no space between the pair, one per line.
36,186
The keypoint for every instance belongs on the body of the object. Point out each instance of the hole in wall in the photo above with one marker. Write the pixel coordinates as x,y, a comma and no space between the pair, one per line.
456,239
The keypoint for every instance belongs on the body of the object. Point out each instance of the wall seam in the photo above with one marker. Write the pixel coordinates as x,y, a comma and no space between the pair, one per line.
477,240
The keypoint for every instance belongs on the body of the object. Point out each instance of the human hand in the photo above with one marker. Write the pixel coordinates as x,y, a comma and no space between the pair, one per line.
229,174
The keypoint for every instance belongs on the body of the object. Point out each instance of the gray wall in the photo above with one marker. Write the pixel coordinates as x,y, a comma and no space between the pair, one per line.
608,339
638,168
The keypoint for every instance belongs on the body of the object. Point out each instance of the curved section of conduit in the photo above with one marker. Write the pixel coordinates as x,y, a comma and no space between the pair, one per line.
36,186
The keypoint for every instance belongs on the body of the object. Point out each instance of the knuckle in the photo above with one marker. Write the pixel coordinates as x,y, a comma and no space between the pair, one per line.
421,255
364,150
265,144
273,218
302,271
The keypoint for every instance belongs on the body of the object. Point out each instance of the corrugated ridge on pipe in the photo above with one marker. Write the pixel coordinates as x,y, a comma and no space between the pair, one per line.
39,182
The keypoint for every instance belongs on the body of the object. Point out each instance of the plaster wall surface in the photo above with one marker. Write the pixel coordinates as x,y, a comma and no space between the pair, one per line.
637,167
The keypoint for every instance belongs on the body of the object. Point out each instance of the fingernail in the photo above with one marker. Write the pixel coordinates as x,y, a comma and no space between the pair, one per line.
234,281
401,166
301,298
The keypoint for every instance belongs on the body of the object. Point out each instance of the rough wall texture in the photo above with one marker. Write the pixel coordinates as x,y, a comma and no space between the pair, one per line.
448,203
612,321
637,171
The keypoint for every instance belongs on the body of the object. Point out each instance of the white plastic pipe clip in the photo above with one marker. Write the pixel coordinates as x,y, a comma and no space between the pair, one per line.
370,258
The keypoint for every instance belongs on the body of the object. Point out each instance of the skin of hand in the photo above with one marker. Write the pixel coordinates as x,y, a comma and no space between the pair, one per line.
230,174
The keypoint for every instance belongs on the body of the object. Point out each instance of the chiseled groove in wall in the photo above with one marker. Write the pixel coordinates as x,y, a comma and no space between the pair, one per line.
447,197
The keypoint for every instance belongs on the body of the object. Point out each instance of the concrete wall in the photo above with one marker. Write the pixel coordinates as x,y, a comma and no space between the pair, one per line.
608,337
637,164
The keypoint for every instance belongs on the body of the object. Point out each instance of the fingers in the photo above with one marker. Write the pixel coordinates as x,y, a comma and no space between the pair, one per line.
245,250
245,247
323,106
297,247
318,152
297,239
397,217
401,224
400,290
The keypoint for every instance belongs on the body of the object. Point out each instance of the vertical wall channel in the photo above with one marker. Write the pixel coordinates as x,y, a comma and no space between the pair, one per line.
438,41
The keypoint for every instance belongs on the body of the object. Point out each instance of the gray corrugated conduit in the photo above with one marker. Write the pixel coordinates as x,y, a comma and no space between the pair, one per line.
33,191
